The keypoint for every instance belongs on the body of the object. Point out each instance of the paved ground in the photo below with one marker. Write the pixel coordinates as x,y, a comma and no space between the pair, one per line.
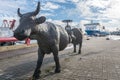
100,60
16,52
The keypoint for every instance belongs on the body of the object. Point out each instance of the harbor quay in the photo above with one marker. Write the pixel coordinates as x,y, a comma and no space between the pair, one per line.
99,60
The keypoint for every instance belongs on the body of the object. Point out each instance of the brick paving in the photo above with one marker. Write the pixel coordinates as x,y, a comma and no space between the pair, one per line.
100,60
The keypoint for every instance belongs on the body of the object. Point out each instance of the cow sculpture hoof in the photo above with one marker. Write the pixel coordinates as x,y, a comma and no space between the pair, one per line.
74,51
57,70
79,52
36,77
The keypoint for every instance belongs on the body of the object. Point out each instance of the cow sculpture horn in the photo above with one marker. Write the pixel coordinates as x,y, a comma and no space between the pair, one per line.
19,14
32,13
37,9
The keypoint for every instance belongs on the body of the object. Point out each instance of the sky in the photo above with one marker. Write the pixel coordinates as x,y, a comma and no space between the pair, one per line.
106,12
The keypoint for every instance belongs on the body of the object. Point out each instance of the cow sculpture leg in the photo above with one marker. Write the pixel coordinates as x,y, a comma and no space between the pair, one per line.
80,45
37,72
56,59
74,47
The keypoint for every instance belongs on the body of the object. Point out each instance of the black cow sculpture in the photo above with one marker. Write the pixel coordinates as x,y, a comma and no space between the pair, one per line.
75,37
50,37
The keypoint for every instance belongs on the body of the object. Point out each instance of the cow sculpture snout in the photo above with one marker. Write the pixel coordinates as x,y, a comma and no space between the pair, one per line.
20,36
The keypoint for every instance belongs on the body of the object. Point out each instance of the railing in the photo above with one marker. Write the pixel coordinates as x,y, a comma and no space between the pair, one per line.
7,39
13,39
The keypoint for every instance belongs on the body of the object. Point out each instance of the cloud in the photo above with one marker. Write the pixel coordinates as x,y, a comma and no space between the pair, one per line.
50,6
58,22
114,9
98,3
105,11
8,9
61,1
74,1
112,24
45,14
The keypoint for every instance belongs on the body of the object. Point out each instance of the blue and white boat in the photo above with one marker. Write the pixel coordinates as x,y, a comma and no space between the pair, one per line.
95,29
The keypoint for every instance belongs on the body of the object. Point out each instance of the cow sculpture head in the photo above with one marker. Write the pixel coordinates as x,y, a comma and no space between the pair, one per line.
27,23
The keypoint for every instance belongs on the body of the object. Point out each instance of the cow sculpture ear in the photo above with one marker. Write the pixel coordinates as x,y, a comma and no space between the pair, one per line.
40,20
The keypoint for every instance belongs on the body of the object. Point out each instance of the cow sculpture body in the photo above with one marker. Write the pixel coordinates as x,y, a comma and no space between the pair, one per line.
78,39
50,38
